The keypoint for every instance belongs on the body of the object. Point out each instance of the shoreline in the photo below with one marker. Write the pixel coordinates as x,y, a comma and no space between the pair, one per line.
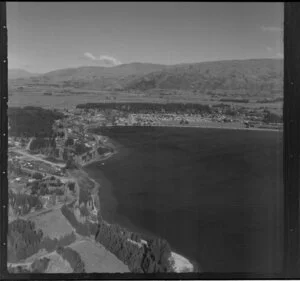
208,125
180,263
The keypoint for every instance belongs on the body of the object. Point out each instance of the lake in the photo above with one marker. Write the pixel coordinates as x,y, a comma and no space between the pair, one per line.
216,195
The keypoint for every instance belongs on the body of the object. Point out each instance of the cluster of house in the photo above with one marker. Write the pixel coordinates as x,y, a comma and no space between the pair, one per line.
73,128
50,200
148,119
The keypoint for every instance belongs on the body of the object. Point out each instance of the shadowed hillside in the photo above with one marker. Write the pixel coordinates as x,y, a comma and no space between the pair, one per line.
246,76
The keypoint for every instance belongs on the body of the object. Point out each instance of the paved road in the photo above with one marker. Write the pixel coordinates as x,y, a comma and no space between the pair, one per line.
27,216
60,165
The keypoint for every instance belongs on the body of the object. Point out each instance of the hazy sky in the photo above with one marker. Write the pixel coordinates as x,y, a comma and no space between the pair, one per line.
48,36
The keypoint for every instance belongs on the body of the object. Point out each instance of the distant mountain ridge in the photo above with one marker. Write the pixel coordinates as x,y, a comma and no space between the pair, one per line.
223,75
248,76
16,73
86,72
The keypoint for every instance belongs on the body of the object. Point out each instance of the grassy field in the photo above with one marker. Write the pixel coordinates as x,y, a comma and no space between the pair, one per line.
53,224
97,259
60,101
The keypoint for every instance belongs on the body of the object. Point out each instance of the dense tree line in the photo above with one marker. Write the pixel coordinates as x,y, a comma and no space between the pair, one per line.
23,203
32,121
23,240
153,257
235,100
157,255
116,241
150,258
43,145
73,258
150,107
84,195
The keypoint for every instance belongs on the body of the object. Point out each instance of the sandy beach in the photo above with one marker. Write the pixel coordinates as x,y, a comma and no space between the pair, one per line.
180,263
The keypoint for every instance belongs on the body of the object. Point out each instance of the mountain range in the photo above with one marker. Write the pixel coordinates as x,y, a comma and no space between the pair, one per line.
232,75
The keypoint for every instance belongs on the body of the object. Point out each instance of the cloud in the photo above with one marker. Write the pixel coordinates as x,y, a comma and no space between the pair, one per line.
108,60
271,28
89,56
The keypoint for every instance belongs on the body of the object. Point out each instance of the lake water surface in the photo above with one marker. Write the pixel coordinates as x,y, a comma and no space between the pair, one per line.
216,195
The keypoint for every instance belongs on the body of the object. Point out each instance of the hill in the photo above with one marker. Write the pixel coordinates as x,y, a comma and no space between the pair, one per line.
96,72
93,77
20,73
253,78
248,76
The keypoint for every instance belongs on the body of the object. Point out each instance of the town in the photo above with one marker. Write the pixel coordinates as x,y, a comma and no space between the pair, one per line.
221,115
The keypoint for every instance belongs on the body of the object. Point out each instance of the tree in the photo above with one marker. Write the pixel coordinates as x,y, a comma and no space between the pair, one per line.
23,239
37,176
69,142
71,186
70,164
